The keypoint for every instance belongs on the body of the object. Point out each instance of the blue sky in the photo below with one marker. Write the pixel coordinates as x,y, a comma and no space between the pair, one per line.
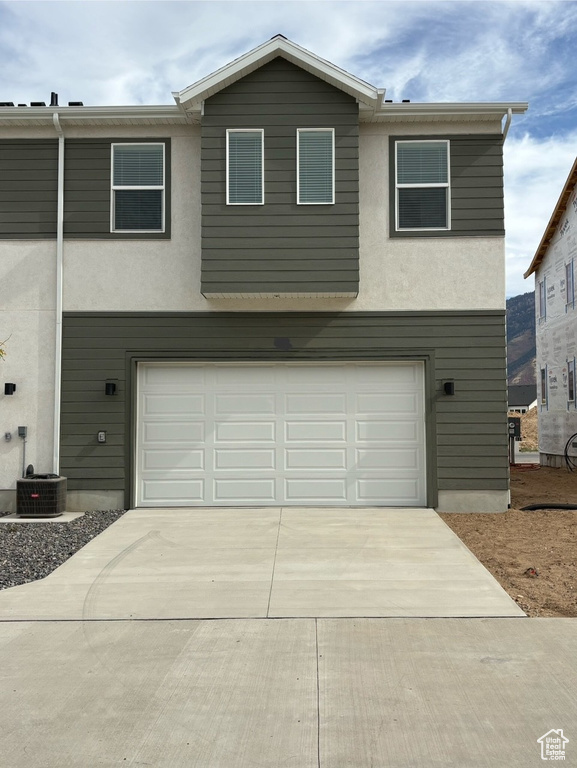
133,52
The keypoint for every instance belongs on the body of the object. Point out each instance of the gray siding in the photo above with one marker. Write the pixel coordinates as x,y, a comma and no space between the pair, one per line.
28,188
466,433
87,190
280,246
476,186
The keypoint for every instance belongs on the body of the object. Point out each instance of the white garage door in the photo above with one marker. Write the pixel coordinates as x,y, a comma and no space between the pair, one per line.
280,434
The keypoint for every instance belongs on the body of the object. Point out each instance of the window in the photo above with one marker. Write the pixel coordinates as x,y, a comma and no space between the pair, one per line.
422,185
245,167
544,385
569,285
315,166
571,381
542,300
137,188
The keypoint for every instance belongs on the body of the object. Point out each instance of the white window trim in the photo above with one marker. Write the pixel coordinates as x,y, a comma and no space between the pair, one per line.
114,188
319,130
571,372
570,300
245,130
542,299
446,185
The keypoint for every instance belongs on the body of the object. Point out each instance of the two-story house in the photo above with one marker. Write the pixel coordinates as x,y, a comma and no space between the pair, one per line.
283,289
554,267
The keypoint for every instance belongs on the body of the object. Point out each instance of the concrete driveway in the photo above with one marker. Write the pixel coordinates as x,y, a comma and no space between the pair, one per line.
124,656
266,563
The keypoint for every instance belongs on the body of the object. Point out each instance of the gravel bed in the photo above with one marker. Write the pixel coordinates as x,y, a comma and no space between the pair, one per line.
30,551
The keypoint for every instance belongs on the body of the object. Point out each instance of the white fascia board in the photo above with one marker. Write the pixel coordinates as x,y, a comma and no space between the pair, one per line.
264,53
93,115
450,109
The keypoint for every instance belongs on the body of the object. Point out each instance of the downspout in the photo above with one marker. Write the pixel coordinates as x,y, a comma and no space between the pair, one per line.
507,123
59,269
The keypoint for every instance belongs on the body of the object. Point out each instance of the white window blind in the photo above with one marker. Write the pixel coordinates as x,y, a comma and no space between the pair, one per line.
315,158
245,184
422,180
138,187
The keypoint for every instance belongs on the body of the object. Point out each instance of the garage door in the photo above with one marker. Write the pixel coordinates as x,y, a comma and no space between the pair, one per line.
280,434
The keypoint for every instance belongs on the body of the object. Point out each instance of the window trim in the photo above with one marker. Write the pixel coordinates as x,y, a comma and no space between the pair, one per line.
316,130
436,185
116,188
229,131
543,299
569,280
544,392
571,381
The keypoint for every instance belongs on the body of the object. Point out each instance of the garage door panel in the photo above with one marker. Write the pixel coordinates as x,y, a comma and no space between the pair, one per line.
378,404
399,490
382,431
315,458
391,458
238,435
244,431
171,432
235,404
309,491
244,459
179,492
174,405
239,491
175,460
317,431
308,403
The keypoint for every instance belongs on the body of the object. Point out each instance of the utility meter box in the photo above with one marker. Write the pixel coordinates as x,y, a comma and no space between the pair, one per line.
514,427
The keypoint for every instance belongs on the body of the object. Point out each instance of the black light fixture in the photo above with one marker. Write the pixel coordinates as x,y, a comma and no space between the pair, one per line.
449,387
9,389
109,388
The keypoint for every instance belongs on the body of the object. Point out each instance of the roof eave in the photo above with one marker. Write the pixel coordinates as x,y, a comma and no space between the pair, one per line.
553,221
452,109
191,96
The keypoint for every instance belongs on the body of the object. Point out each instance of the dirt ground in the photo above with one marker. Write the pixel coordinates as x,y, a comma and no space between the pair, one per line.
533,555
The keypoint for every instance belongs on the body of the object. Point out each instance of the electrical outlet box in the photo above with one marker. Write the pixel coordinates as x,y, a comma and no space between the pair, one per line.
7,436
101,437
22,431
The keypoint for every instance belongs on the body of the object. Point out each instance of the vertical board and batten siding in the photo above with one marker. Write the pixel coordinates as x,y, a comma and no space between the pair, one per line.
28,188
87,189
466,433
476,167
280,247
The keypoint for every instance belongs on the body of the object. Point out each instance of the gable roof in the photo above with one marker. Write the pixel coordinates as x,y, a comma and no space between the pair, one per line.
522,394
554,220
190,98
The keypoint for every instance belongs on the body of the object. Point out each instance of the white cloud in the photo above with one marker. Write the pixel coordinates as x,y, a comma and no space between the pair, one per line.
535,172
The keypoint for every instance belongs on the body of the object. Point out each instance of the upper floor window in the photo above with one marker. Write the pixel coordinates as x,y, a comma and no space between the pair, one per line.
542,299
137,188
544,386
245,167
315,166
569,285
422,185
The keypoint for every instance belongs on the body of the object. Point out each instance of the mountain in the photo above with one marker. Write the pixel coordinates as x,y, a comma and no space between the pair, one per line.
521,339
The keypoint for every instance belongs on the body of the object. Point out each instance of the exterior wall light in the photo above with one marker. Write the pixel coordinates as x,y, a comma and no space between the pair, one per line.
109,388
9,389
449,387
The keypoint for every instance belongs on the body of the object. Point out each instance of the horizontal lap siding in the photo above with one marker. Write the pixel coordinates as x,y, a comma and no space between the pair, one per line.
87,189
28,188
280,246
467,431
476,186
